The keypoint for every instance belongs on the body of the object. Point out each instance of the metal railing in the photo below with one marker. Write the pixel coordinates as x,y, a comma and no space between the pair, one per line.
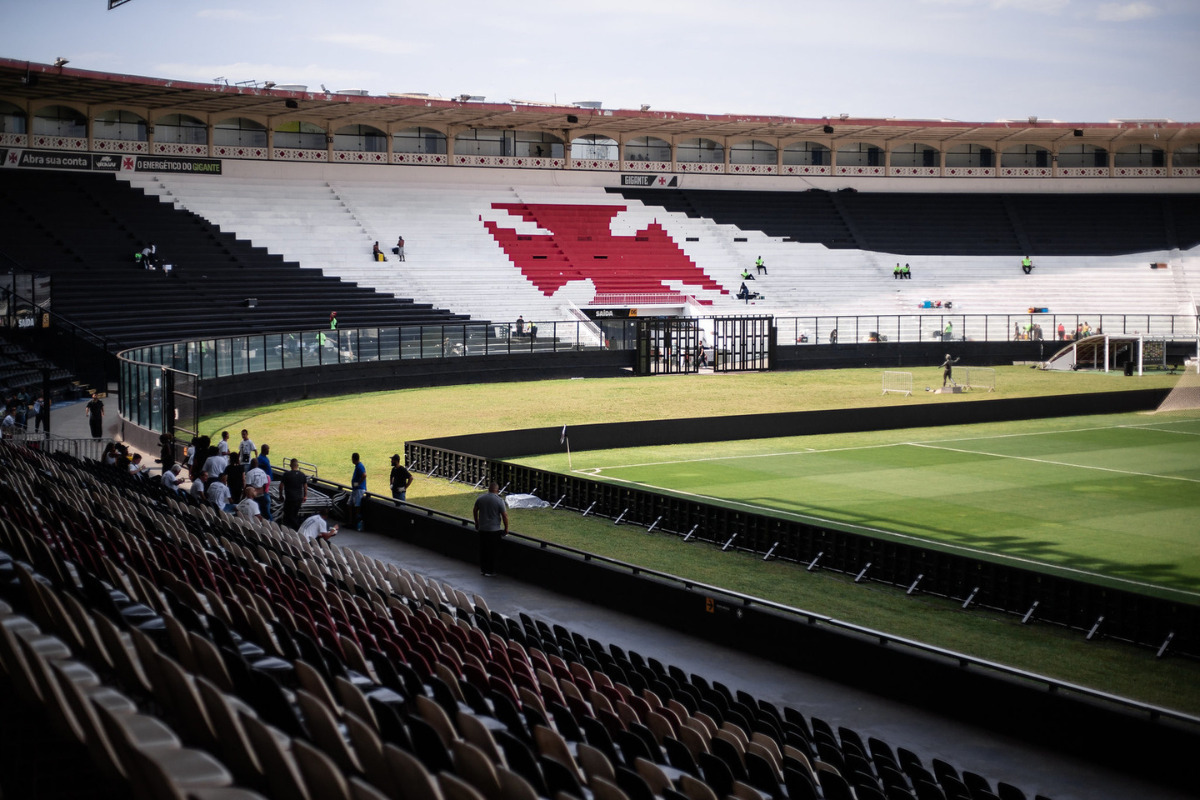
240,355
84,448
939,324
149,373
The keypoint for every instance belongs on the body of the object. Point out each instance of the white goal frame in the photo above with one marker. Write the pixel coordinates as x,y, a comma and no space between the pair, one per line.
899,382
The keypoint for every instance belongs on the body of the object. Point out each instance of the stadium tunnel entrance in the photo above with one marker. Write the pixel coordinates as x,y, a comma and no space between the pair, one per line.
674,345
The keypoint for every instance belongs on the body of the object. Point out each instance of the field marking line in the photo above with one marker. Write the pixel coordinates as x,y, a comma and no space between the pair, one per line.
806,451
924,540
813,450
1058,463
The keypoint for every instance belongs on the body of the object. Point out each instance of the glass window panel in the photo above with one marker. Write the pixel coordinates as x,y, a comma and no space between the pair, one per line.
293,348
806,154
311,351
119,125
368,344
410,341
60,121
419,140
329,346
237,355
240,132
273,352
224,358
208,358
594,146
254,354
389,344
647,148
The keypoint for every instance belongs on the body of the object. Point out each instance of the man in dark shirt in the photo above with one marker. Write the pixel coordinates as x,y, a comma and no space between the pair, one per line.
491,521
401,479
295,492
95,414
237,481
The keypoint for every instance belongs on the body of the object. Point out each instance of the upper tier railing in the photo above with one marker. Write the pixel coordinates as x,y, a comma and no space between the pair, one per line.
149,373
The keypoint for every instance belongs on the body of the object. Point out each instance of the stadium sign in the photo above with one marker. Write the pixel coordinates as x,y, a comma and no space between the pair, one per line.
191,166
651,181
53,159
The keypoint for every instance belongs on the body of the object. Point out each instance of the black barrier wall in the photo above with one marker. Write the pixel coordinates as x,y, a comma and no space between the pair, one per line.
337,380
535,441
936,681
1048,598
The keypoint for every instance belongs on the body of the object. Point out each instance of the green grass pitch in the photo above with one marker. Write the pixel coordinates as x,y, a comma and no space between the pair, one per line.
1111,499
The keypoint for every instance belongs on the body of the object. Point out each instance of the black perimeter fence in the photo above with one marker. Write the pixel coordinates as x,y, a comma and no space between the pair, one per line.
1166,626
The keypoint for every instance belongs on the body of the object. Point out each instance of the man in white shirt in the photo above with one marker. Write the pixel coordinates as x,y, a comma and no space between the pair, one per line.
215,464
246,447
135,466
223,445
248,507
171,479
317,526
257,477
218,493
199,485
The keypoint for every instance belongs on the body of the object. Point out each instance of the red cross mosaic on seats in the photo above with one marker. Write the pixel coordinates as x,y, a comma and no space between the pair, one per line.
581,246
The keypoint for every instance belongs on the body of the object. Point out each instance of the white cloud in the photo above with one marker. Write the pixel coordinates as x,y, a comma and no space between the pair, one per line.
1041,6
226,14
1125,12
370,42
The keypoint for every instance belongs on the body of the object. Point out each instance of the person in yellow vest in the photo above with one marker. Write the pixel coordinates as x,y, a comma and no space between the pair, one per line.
760,266
907,272
897,272
1027,265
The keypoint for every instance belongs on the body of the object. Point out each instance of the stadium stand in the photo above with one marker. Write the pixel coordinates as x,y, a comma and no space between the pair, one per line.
944,223
22,370
187,651
470,247
97,284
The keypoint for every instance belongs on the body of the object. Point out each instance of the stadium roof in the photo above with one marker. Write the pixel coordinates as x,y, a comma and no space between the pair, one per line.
23,82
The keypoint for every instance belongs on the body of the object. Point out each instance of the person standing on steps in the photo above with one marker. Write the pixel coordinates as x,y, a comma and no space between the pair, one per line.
358,488
491,521
95,414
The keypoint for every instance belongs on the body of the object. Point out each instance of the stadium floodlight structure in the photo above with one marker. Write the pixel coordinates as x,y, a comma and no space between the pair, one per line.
114,3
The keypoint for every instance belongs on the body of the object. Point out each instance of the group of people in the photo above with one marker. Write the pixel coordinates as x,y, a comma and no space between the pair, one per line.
743,292
16,412
520,328
1029,332
398,251
935,304
237,479
901,273
490,512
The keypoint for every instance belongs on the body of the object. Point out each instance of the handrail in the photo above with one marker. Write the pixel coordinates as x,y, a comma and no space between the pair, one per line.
964,661
89,335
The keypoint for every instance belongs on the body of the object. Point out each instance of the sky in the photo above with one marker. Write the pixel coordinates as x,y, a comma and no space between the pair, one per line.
968,60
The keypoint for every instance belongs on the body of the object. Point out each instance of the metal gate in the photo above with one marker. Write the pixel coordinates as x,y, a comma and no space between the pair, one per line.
184,412
742,344
674,345
668,346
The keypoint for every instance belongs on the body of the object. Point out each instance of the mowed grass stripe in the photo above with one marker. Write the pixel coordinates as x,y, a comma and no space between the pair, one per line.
1118,503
